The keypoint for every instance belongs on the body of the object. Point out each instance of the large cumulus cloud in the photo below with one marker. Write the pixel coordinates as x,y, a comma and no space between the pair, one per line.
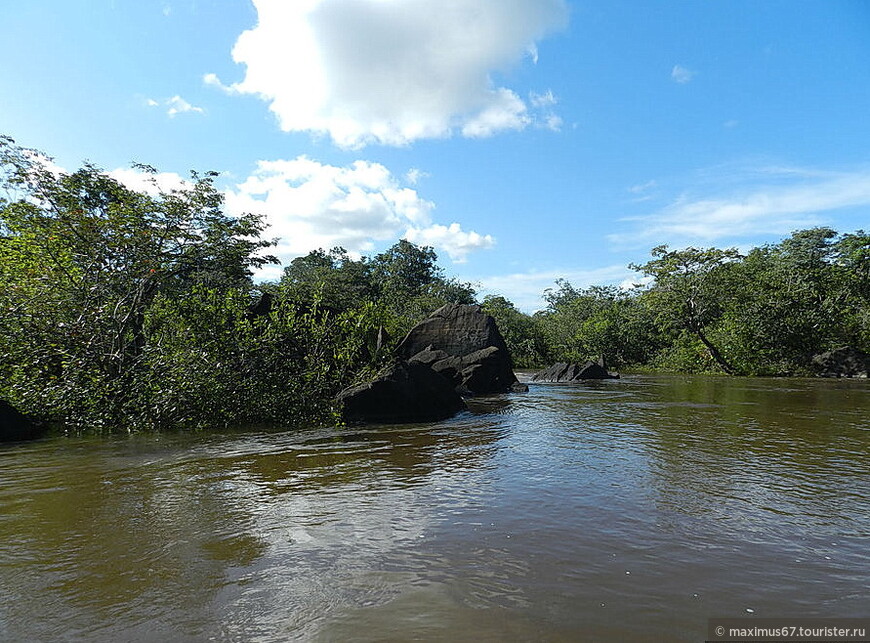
393,71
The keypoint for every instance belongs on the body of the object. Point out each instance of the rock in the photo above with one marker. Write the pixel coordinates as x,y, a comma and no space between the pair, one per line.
842,362
428,356
405,392
463,344
565,372
15,426
260,308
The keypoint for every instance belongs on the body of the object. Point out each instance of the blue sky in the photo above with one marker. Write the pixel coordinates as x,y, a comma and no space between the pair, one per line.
526,140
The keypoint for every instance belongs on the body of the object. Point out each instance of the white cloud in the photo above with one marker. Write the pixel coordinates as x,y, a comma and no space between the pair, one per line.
150,184
525,289
553,122
212,80
546,117
377,71
175,105
310,205
452,239
415,175
790,198
682,75
642,187
45,162
505,111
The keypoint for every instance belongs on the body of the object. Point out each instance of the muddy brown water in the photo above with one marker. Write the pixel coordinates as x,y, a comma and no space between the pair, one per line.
629,510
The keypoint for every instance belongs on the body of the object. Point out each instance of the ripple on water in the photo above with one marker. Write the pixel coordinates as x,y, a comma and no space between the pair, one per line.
637,507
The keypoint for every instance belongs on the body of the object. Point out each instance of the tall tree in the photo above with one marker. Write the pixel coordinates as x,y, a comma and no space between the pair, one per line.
83,258
411,284
599,321
690,291
523,337
334,278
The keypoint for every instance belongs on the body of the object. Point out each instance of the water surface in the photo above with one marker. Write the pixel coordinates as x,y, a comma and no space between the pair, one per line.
619,510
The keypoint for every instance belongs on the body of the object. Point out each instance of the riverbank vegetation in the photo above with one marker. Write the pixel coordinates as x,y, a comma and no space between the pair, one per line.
125,310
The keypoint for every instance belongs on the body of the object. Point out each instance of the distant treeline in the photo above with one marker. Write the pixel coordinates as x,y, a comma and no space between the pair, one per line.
124,310
767,312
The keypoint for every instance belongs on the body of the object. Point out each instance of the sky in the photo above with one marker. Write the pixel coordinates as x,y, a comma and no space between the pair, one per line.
524,140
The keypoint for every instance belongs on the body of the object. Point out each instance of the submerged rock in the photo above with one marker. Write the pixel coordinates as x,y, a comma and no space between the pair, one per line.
572,372
463,344
842,362
405,392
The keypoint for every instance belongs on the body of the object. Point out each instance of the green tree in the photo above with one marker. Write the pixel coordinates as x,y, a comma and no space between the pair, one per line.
797,298
599,321
523,337
333,278
410,284
690,292
82,261
852,260
216,365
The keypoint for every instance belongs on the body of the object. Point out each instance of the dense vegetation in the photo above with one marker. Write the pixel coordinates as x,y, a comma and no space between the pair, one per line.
709,310
126,310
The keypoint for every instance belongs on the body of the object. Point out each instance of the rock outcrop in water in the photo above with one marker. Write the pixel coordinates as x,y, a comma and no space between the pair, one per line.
842,362
15,426
463,344
457,351
565,372
405,392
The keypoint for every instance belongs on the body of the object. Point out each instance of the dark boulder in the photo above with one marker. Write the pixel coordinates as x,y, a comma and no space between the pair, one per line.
428,356
15,426
403,393
842,362
463,344
260,308
477,373
565,372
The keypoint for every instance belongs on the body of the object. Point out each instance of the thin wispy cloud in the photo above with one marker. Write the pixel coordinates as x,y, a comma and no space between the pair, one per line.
778,202
642,187
682,75
175,105
368,71
415,175
546,117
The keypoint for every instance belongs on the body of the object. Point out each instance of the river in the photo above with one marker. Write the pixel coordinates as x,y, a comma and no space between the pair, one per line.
632,509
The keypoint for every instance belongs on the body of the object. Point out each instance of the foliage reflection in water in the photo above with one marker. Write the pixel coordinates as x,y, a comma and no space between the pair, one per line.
632,509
